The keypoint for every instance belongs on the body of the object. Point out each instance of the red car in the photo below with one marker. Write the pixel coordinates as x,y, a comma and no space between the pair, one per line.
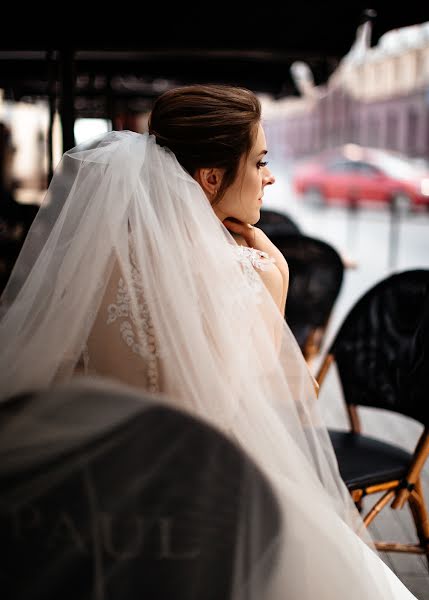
355,174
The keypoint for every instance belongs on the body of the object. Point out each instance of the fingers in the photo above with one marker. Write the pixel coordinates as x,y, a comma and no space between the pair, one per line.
246,231
236,227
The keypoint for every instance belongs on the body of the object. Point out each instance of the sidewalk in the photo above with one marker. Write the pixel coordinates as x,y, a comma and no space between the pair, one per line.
364,238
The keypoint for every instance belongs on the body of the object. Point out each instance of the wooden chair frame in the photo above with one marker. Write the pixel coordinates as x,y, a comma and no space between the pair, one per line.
397,493
313,343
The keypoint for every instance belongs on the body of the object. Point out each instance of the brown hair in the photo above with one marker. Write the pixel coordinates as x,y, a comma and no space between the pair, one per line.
207,126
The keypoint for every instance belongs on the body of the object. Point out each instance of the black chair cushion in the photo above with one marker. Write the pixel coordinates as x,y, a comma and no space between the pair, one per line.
365,461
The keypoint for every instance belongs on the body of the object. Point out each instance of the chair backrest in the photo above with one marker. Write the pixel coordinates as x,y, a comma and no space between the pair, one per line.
381,349
315,277
273,222
152,506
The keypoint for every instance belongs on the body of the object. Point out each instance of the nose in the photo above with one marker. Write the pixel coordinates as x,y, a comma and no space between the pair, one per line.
268,178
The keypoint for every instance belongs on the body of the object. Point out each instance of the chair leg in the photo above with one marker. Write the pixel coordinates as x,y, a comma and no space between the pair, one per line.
420,516
311,346
357,497
378,506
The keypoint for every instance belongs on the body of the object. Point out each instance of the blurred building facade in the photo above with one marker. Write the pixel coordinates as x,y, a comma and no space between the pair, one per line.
378,96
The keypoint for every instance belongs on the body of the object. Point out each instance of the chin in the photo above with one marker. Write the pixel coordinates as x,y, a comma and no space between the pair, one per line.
255,218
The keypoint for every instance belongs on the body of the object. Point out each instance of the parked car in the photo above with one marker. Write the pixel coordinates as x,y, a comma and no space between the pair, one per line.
355,174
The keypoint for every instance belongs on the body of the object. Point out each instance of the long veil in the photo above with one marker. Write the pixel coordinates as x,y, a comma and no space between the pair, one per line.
127,255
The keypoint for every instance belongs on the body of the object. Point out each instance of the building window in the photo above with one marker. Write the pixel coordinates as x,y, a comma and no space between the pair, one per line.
412,131
373,131
392,132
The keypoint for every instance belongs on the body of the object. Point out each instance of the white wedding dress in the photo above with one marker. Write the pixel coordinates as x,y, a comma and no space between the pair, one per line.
127,273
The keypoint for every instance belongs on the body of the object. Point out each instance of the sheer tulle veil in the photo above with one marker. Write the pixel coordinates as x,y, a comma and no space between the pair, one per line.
128,273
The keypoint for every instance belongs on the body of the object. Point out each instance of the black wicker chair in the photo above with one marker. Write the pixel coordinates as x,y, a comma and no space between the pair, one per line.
146,503
382,356
275,223
315,278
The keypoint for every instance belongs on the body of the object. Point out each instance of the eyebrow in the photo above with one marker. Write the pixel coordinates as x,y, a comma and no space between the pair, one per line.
262,152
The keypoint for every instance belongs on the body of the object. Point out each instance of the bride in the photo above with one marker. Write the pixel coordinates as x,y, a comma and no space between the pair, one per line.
144,265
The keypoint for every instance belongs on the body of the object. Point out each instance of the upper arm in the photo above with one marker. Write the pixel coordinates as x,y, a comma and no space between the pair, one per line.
273,281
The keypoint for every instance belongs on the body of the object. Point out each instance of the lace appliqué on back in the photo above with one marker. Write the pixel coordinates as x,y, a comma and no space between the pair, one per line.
136,330
251,259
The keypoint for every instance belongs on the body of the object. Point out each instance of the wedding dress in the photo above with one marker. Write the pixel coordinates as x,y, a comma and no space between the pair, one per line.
128,273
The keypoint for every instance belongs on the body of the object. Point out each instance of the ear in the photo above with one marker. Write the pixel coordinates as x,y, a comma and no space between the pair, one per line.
209,179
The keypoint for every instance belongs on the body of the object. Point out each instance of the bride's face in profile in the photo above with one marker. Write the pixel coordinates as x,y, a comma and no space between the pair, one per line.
243,199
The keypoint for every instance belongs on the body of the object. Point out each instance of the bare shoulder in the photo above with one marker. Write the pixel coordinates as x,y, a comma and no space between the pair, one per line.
271,274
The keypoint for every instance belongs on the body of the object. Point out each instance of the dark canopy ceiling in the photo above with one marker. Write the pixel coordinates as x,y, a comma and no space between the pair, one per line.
132,57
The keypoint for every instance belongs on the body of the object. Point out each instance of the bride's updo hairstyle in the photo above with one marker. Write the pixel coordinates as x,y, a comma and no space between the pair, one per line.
207,126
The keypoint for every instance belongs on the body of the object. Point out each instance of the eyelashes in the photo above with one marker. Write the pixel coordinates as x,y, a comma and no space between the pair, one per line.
262,163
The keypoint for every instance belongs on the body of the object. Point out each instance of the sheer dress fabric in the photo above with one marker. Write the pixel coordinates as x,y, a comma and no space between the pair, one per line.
127,273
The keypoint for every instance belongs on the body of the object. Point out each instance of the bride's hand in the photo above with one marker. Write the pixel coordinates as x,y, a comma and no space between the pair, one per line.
246,231
276,279
256,238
